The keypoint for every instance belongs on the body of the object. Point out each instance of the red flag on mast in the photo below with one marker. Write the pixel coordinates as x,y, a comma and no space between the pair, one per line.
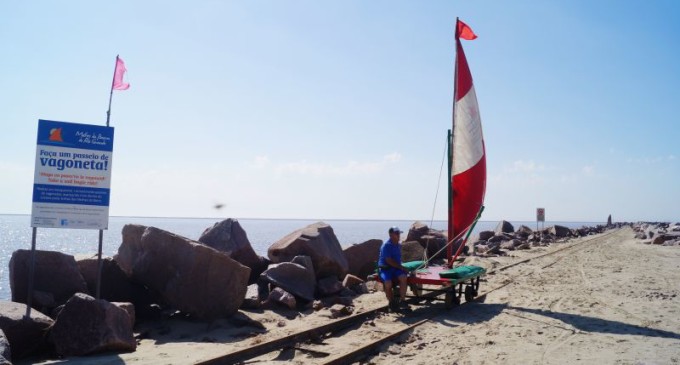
469,156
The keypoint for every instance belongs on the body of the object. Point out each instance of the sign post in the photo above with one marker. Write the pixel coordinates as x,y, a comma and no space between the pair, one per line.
72,181
540,217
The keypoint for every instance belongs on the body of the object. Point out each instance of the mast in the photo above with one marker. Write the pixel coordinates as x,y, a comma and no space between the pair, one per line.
451,233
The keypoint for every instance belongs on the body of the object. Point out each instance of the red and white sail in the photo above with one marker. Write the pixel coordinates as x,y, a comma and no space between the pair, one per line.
468,168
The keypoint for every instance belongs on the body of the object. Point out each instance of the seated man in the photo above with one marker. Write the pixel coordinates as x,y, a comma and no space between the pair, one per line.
391,269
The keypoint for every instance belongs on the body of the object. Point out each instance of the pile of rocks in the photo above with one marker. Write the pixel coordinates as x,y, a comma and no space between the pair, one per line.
658,233
158,272
505,238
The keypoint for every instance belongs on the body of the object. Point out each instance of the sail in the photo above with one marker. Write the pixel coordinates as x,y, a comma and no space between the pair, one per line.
468,168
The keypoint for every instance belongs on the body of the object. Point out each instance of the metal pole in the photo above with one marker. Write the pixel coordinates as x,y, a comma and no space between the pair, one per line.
452,234
31,273
113,79
99,263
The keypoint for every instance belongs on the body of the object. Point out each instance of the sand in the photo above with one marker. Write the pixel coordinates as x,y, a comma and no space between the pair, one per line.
609,301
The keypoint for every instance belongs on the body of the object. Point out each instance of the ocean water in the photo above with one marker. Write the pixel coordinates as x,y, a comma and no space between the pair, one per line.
15,234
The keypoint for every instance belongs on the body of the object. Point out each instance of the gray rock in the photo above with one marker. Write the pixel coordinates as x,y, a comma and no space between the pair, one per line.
293,278
116,286
508,245
87,325
328,286
129,308
523,246
317,241
282,297
362,258
524,231
340,310
5,350
55,273
187,275
504,227
560,231
130,248
350,280
486,235
305,261
25,335
229,237
411,251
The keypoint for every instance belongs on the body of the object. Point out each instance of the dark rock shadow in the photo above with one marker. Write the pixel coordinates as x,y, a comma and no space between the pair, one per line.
594,324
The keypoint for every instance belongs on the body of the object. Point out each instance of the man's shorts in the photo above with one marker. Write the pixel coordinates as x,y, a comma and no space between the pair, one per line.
391,273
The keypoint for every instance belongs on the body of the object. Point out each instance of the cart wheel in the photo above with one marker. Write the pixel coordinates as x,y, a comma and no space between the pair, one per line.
469,293
451,300
416,289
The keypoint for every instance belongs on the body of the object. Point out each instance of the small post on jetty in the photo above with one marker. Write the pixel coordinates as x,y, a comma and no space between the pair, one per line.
31,273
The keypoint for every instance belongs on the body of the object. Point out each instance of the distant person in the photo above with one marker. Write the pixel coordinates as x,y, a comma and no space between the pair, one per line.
391,269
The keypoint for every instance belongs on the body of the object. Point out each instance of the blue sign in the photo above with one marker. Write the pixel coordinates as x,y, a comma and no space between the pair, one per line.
72,182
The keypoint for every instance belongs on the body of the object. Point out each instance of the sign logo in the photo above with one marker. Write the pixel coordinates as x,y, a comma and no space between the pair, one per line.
55,135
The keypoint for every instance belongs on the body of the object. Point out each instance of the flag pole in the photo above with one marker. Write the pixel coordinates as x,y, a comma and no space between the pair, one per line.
113,80
101,232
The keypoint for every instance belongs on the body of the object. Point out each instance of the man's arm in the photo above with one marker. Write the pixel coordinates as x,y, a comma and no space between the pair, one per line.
393,263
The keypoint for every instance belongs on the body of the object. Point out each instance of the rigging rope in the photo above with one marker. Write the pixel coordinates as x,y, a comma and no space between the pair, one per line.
436,196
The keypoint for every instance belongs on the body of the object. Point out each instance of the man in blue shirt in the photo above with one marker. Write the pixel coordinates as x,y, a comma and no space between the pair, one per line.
391,269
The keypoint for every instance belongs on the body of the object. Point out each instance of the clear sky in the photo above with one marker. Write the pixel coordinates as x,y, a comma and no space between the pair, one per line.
339,109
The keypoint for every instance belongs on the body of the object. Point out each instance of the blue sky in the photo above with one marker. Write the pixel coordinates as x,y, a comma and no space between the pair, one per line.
320,109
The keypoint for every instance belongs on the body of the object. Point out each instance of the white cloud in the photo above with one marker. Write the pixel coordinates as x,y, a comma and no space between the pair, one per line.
588,170
260,162
523,167
393,157
305,167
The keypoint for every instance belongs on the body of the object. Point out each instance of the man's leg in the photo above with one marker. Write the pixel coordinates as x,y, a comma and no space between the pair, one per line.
387,285
402,292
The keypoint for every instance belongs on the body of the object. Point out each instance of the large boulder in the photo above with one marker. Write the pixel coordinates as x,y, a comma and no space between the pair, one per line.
504,227
411,251
187,275
25,335
56,277
86,325
317,241
560,231
431,239
486,235
5,350
116,286
362,258
282,297
524,232
293,278
132,240
418,229
229,237
328,286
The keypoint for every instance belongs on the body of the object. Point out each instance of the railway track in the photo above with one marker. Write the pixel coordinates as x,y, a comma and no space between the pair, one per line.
357,353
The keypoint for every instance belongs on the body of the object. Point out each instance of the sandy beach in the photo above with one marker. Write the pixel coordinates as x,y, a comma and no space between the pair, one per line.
610,300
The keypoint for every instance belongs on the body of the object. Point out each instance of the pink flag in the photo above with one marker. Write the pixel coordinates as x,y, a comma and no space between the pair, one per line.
118,74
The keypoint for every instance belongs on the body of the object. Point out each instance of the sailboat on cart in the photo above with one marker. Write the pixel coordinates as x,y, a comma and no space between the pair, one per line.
466,187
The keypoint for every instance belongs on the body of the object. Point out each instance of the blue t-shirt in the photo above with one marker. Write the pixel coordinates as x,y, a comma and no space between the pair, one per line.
389,249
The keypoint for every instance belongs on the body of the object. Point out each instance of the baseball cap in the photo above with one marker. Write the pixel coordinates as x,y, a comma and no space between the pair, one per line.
394,229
